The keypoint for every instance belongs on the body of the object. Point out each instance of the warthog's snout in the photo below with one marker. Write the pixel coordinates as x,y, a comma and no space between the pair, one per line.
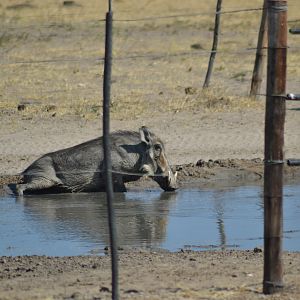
172,181
168,182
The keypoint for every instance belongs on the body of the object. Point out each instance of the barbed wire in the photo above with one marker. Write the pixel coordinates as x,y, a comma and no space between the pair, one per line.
121,20
294,21
99,35
6,50
57,60
50,25
198,52
187,15
57,91
139,174
54,16
33,103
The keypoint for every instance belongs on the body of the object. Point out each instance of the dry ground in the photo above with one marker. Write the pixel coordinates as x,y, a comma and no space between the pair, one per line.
50,98
186,275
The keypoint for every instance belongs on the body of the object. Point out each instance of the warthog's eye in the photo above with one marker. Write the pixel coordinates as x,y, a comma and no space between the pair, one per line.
157,150
157,147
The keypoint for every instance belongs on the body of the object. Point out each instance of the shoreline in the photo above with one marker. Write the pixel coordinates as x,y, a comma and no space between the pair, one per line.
211,173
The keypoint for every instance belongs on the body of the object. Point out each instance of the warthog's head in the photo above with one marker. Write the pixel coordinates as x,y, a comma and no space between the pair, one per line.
155,162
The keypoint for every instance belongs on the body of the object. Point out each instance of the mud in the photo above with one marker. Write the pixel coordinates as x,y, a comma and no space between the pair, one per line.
210,173
145,275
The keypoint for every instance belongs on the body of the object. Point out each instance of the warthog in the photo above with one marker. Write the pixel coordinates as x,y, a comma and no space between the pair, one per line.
80,168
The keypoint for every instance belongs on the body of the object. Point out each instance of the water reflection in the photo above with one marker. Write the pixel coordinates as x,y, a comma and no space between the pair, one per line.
199,219
140,222
218,205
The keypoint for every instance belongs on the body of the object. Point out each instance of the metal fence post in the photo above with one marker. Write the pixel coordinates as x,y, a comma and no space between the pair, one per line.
107,155
260,54
274,140
215,44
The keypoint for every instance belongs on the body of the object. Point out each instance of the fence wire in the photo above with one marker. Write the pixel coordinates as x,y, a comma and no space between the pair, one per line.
143,56
200,52
144,19
233,10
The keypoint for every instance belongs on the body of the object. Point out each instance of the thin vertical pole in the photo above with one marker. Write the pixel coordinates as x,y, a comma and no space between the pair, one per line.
215,44
274,141
260,54
107,155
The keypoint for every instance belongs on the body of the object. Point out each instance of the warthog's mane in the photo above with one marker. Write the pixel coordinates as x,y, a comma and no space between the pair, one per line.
131,132
124,133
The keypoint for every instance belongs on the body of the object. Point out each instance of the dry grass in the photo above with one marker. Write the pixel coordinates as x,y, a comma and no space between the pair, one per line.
51,57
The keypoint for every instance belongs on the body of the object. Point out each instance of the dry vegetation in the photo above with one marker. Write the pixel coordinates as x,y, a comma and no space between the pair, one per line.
51,57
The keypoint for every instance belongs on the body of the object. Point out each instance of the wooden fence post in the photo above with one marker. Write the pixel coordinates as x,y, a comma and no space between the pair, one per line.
274,140
215,44
260,54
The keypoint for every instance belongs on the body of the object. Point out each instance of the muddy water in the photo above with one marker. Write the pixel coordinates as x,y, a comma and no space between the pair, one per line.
71,224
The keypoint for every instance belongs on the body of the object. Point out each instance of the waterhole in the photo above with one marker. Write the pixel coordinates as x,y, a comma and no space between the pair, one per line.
197,219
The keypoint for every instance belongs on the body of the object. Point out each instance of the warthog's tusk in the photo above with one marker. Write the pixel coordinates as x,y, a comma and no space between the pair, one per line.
172,178
169,177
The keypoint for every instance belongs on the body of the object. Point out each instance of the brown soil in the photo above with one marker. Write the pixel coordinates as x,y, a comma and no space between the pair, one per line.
145,275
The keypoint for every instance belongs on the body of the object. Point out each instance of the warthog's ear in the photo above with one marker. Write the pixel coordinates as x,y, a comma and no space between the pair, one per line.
145,135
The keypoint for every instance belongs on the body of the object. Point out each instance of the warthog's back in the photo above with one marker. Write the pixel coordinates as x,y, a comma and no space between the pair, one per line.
81,166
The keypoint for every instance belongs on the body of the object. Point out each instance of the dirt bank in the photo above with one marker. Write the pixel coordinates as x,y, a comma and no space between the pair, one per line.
211,173
145,275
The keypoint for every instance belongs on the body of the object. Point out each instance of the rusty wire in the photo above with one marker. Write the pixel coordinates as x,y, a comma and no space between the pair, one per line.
187,15
200,52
